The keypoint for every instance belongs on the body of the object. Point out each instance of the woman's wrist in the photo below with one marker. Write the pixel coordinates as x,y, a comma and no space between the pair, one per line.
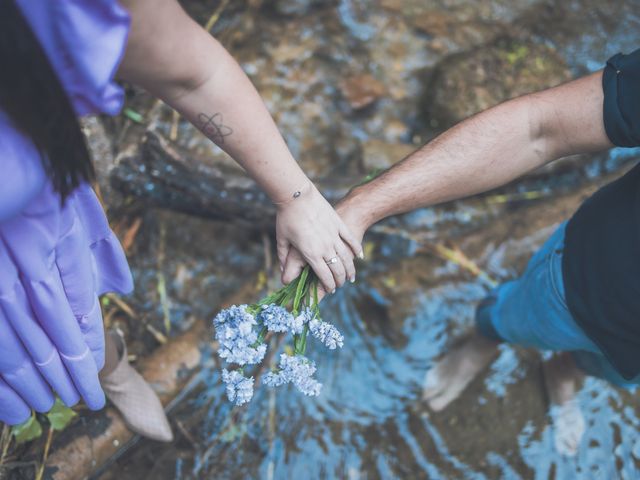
297,194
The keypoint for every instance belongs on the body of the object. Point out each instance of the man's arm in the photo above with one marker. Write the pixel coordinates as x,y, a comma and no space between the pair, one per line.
486,151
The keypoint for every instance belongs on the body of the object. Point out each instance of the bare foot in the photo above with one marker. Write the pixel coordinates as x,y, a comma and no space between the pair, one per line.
451,375
562,377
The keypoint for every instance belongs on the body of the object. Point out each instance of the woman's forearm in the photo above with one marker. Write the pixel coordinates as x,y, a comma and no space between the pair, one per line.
229,111
176,60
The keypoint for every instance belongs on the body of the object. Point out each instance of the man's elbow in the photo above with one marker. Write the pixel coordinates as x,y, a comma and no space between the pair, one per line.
543,135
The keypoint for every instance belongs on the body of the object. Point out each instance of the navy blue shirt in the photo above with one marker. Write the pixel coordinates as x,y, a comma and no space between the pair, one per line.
601,261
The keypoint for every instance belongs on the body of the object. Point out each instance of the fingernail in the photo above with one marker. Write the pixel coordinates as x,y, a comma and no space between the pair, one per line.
281,268
333,291
352,279
361,255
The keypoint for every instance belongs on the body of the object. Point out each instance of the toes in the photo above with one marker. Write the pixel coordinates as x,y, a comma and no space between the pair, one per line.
569,427
447,396
440,403
433,383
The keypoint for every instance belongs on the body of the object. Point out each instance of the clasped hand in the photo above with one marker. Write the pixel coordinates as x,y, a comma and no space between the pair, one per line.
310,231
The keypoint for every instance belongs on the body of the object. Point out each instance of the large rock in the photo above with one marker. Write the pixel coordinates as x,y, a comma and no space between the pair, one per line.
361,90
473,81
380,155
294,7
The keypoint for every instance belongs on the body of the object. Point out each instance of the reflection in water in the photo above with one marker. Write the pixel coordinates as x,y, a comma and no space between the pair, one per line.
369,422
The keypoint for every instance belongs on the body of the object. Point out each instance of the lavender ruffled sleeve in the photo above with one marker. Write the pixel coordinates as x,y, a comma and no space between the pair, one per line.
85,41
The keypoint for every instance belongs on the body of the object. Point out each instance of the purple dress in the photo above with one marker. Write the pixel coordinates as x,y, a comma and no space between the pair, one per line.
84,41
56,259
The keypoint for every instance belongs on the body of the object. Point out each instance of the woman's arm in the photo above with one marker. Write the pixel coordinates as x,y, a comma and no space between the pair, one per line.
175,59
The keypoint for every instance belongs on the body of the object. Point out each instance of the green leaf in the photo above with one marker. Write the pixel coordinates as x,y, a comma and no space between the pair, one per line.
133,115
234,432
60,415
316,308
27,431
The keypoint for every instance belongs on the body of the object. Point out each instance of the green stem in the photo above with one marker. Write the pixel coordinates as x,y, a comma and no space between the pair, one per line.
302,282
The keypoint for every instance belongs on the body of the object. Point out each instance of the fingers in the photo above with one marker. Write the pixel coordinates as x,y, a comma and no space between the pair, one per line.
282,247
13,410
351,241
293,266
20,373
346,257
323,273
337,269
341,271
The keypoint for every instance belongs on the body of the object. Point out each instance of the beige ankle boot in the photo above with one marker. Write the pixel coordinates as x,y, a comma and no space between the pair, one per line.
134,398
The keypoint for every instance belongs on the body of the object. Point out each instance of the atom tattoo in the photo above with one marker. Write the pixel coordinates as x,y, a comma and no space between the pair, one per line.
213,127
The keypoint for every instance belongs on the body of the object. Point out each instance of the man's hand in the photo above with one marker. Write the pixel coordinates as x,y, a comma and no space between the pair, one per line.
354,220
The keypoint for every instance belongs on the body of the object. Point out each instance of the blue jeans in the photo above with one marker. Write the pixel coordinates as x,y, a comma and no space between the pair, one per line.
531,311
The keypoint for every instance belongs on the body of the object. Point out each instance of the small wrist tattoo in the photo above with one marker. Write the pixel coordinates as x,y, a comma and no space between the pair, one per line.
213,128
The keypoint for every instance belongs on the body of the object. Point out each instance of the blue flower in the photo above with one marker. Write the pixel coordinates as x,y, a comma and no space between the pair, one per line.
295,369
275,318
326,333
298,323
236,337
273,379
239,388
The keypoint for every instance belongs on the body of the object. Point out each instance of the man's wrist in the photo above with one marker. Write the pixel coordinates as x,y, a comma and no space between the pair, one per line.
355,210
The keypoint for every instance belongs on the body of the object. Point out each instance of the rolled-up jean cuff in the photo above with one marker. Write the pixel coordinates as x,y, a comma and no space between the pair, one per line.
484,323
592,364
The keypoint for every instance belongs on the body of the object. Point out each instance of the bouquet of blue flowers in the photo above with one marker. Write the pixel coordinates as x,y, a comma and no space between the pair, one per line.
241,333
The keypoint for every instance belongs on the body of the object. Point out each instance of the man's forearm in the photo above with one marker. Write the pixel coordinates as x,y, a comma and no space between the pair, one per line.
486,151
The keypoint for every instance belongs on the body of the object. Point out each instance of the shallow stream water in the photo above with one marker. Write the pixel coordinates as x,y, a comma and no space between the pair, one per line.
407,307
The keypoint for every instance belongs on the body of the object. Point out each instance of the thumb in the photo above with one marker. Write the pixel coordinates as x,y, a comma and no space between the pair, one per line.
293,266
283,246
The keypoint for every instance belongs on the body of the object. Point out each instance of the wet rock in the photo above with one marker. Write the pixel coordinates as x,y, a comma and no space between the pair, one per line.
361,90
450,34
294,7
377,154
473,81
166,176
101,151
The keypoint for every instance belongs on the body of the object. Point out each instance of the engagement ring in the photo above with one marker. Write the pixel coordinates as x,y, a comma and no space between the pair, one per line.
331,261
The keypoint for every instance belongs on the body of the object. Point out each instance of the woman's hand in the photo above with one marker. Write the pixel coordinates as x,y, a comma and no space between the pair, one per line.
352,216
309,224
